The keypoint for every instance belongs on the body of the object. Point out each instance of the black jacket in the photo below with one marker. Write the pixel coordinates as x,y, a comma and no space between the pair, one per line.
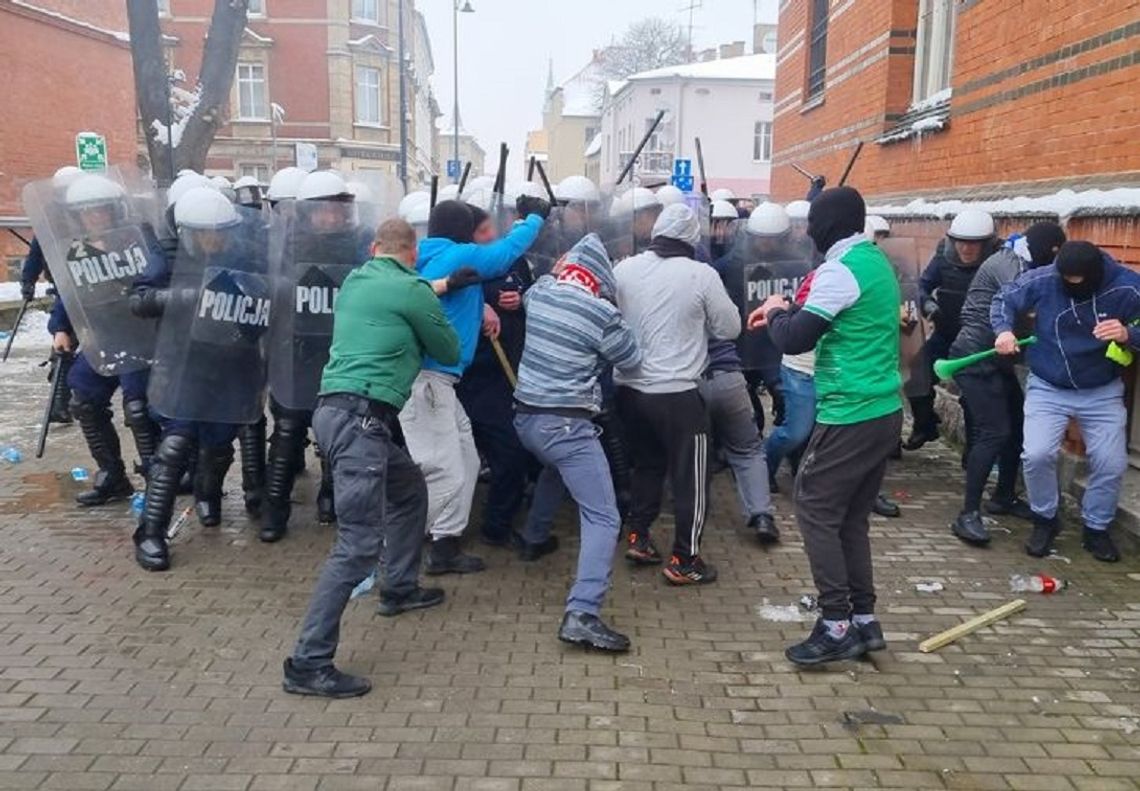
946,280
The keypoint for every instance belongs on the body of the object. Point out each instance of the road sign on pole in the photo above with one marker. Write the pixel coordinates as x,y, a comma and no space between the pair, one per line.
91,151
453,168
683,183
682,168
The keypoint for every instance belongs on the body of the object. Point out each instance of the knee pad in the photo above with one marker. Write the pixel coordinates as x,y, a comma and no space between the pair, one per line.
83,410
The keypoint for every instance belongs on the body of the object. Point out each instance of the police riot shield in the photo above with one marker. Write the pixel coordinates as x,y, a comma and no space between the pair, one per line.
377,196
903,254
312,255
97,239
210,360
755,268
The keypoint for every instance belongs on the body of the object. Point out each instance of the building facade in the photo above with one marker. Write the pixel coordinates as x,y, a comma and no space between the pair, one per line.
727,103
469,150
571,118
320,73
48,48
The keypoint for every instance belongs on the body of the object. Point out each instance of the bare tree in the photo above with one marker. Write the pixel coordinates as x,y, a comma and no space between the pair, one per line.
651,43
194,117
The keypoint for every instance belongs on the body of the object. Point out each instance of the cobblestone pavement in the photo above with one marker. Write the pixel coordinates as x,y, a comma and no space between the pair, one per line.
111,678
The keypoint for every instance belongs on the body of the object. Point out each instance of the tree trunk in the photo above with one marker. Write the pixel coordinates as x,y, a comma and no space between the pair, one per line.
152,88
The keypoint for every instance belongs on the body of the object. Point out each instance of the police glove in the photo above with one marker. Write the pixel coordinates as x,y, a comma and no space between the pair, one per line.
461,278
149,303
930,309
528,205
28,290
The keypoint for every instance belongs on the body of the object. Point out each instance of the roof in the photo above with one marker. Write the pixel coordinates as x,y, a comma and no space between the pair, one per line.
747,67
580,92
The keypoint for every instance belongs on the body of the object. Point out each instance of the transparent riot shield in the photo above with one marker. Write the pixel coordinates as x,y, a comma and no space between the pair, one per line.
377,197
903,254
97,239
210,361
312,254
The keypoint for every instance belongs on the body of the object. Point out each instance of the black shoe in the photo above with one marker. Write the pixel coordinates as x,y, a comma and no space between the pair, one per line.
209,512
920,437
969,527
328,682
896,454
641,550
418,599
151,551
445,557
820,647
532,552
764,525
773,484
884,506
60,415
693,571
871,634
1040,541
1099,545
511,540
272,530
108,488
1016,507
582,628
252,503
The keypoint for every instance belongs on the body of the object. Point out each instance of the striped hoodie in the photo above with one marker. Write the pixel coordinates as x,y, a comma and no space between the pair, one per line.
573,335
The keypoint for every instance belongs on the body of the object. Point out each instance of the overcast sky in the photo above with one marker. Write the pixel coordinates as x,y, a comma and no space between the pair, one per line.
505,45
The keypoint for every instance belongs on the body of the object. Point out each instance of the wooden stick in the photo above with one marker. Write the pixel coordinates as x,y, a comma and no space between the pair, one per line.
504,362
971,626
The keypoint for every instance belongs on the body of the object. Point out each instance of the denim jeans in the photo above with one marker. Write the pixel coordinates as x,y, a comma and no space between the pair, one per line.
573,459
725,394
799,418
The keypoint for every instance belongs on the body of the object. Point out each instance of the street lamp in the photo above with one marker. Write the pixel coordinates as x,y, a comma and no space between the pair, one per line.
466,9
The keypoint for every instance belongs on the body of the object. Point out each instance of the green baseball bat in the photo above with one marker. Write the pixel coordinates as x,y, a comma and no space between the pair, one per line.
945,369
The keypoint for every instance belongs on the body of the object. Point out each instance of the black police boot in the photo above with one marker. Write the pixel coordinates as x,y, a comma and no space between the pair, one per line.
166,468
144,429
580,628
111,482
446,557
213,464
970,528
326,505
281,469
251,440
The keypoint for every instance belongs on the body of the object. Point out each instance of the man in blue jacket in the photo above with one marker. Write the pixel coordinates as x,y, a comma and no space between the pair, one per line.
1087,306
436,429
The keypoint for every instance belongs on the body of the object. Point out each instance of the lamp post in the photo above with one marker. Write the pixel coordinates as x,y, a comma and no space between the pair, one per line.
467,9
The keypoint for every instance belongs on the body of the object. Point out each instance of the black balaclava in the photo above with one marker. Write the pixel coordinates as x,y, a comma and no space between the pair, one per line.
1043,238
1083,259
836,214
451,219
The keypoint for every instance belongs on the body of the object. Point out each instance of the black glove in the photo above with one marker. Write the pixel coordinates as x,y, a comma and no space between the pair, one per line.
930,309
149,303
527,205
818,182
28,290
461,278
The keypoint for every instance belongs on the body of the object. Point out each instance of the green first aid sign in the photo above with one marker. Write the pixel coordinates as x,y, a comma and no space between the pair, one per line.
91,151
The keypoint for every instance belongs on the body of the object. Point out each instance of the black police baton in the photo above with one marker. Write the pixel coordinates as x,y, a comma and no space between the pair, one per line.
58,383
15,327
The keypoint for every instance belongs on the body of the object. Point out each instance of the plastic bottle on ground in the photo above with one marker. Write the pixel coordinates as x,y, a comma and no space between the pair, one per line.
11,455
79,474
1036,583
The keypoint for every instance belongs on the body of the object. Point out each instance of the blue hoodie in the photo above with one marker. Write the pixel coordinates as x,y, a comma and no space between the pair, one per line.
1067,354
439,257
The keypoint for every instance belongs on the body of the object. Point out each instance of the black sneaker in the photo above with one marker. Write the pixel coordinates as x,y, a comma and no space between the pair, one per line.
1099,545
445,557
1016,507
641,550
327,682
920,437
511,540
582,628
693,571
1040,541
418,599
529,553
764,525
871,634
820,647
970,528
884,506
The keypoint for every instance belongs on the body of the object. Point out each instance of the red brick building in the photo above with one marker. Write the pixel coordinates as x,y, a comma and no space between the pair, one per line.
962,99
66,68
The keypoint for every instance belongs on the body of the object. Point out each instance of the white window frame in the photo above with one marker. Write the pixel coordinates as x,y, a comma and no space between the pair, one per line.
361,91
241,82
163,7
934,50
259,12
381,6
761,135
259,171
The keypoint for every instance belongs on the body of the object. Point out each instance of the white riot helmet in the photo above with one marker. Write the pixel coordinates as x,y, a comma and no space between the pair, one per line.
668,195
481,198
204,209
479,183
450,192
417,215
187,172
634,200
532,190
224,186
90,190
723,194
285,183
324,185
876,225
248,191
410,201
183,184
723,210
769,219
360,192
972,225
577,189
63,177
798,210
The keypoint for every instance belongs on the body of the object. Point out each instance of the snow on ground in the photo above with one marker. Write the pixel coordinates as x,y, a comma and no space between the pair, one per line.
10,291
33,332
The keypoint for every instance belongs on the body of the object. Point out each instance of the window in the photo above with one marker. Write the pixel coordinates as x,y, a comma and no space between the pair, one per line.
259,172
253,104
255,8
368,96
934,53
591,133
368,10
817,53
762,142
163,7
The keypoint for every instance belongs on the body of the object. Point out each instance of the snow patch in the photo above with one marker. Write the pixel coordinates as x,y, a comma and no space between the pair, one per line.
747,67
33,332
10,292
1063,203
781,613
595,146
932,101
185,104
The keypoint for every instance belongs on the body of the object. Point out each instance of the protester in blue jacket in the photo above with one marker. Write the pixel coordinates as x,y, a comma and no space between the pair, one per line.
1087,307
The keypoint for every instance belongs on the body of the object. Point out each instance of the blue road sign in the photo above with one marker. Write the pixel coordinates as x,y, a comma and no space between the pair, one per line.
682,167
453,169
683,183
